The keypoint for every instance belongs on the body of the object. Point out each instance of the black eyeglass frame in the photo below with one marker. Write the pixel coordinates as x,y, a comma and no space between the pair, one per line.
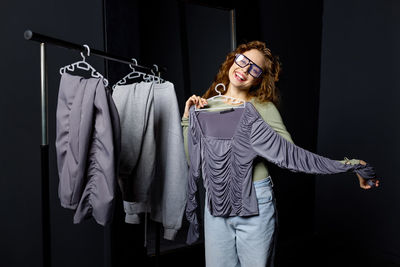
251,65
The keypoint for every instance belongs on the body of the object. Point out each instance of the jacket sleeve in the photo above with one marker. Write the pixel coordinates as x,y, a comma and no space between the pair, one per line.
276,149
193,142
97,199
73,134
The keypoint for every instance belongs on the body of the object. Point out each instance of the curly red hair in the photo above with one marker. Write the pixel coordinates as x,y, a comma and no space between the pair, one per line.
265,89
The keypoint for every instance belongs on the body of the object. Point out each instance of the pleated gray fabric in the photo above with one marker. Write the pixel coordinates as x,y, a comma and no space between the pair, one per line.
222,146
85,149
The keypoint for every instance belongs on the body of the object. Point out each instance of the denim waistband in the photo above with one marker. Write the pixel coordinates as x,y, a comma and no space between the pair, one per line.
264,182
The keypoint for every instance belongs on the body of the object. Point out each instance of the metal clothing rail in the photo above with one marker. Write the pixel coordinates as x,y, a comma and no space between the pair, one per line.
34,36
44,146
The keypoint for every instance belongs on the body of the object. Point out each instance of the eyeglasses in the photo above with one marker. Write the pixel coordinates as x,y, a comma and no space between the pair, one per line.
242,61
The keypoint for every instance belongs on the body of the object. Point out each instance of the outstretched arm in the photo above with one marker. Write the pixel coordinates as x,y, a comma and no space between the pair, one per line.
271,146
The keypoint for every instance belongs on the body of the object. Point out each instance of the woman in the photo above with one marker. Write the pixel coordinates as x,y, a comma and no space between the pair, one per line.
249,73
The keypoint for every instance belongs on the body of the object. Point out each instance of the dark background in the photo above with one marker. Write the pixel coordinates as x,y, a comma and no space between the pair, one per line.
340,72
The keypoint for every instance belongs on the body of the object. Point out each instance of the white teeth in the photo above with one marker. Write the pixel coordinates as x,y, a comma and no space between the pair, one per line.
240,76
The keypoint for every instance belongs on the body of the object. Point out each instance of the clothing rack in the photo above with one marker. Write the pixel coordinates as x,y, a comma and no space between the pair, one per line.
34,36
44,146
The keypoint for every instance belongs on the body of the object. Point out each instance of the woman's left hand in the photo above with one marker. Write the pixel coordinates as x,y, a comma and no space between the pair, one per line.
363,182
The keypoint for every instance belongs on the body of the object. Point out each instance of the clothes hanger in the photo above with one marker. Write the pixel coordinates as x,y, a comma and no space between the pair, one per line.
222,98
153,77
132,75
83,65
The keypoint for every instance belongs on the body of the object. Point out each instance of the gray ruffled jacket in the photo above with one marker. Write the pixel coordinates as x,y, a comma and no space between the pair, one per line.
86,155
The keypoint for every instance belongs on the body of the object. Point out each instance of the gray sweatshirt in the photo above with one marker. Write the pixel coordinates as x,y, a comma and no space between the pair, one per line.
153,169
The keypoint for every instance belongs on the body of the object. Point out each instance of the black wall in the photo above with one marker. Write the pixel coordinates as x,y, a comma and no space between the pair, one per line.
359,118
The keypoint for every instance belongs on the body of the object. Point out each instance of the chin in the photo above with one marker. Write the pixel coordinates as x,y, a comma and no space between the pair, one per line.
239,84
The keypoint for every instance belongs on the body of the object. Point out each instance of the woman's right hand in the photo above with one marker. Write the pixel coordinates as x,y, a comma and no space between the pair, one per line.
364,182
194,100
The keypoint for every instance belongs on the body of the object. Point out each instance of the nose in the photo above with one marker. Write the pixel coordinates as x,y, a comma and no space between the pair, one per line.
246,68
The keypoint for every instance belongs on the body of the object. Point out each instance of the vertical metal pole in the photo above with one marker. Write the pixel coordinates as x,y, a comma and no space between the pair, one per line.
158,236
43,93
233,30
44,148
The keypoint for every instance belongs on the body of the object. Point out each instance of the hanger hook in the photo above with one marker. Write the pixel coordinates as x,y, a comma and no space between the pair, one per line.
87,48
154,69
220,84
134,64
88,52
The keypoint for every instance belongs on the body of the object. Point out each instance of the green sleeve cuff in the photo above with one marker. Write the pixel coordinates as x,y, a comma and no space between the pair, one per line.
350,161
184,121
185,127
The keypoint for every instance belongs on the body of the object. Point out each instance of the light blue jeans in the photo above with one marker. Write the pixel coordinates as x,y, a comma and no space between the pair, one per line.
243,241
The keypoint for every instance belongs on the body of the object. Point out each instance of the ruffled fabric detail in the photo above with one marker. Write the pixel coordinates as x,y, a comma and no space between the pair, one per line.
221,163
276,149
194,175
85,149
226,165
97,200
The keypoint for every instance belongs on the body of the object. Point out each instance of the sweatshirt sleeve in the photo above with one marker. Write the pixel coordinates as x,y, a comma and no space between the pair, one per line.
276,149
173,167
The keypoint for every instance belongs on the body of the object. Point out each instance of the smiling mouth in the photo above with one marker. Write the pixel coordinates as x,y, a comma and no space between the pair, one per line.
240,77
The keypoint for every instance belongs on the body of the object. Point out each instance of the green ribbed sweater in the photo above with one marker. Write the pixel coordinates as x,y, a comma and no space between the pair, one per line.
271,115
